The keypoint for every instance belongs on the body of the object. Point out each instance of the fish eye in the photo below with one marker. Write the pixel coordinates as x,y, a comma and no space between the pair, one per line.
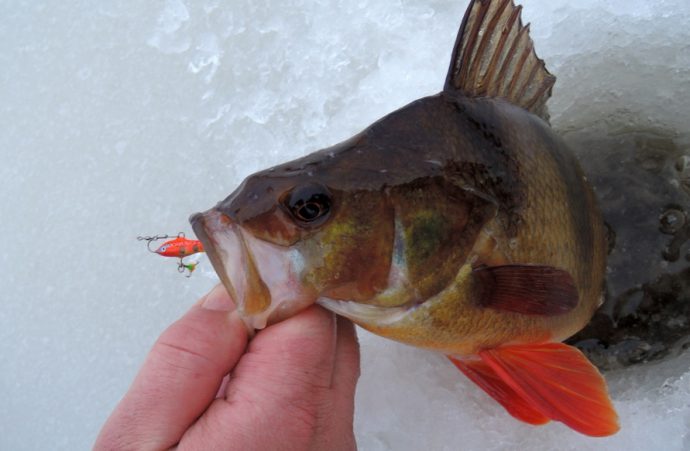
309,203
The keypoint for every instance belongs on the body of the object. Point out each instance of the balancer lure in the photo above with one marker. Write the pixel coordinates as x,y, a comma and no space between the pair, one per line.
179,247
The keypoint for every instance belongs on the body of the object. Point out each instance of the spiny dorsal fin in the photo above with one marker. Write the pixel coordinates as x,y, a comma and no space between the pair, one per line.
494,57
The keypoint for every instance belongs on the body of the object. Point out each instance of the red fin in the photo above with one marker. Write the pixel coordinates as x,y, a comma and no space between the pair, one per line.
481,374
559,382
530,290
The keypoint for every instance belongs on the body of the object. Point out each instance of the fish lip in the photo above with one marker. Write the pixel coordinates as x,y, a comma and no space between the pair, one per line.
198,222
252,270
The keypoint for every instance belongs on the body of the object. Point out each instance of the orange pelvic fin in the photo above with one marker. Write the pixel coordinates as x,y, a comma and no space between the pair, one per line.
553,379
481,374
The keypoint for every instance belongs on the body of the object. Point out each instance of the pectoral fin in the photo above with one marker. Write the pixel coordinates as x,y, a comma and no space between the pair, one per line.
555,380
526,289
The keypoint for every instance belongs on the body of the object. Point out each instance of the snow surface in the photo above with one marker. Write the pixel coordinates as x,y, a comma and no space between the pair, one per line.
122,118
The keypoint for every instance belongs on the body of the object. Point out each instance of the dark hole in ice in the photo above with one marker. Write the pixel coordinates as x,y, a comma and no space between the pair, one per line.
641,176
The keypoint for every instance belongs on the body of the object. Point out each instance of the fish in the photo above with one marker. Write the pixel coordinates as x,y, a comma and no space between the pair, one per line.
460,223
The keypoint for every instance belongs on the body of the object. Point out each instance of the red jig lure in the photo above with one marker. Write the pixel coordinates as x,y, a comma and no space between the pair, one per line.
179,247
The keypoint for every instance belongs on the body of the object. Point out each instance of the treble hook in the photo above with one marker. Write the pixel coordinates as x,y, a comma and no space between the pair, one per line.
182,266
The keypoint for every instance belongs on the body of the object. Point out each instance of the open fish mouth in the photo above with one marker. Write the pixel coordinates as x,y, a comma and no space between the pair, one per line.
262,278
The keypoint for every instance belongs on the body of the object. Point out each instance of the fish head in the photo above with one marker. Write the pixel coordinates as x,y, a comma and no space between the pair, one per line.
300,231
373,221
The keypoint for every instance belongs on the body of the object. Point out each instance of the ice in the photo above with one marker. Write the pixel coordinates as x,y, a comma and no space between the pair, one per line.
120,119
167,38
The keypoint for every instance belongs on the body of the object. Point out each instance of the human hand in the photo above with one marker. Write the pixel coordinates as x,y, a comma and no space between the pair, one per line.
291,387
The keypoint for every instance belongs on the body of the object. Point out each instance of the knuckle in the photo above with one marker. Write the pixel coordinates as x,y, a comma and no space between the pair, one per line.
187,347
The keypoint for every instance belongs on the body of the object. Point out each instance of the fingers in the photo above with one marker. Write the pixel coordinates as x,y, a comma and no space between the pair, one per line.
179,378
296,353
278,389
335,431
293,389
346,370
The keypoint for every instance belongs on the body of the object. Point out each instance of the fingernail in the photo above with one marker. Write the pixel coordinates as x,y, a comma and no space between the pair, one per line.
218,299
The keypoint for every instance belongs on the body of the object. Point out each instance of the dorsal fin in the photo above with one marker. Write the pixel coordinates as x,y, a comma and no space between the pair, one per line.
494,57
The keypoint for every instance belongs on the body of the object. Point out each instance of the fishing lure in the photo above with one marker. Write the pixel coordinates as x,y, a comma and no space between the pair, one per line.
178,247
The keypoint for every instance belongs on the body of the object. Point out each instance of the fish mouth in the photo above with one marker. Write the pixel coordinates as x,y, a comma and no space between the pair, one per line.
262,278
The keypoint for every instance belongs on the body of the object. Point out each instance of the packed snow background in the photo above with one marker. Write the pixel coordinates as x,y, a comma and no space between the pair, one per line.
120,119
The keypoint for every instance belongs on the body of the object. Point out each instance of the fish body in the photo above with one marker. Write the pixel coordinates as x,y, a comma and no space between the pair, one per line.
460,223
486,186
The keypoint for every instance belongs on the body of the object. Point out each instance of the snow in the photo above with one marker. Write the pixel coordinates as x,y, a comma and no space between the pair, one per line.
120,119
